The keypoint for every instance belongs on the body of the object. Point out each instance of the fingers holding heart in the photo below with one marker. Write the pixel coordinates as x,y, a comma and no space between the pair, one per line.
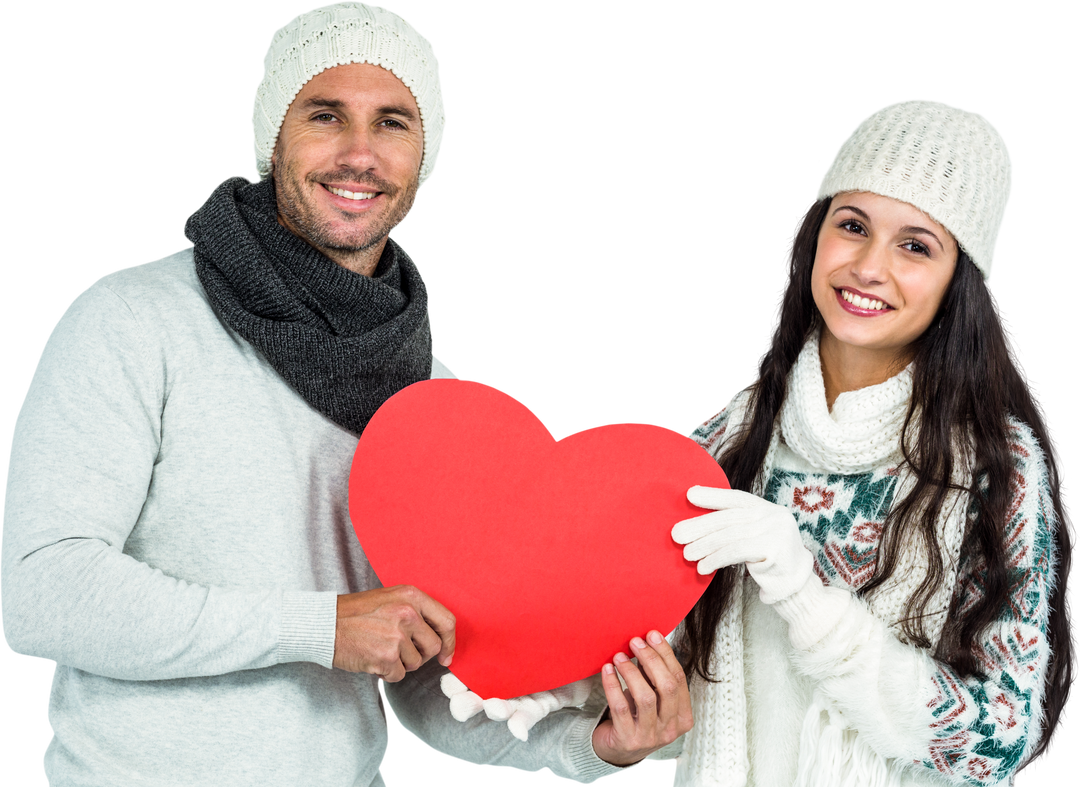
751,530
651,712
720,498
718,539
391,631
636,715
665,675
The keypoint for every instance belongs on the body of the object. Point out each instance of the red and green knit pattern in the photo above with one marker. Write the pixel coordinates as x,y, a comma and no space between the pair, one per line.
982,724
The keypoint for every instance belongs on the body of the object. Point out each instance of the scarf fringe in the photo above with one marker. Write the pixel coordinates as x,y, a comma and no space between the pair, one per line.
831,755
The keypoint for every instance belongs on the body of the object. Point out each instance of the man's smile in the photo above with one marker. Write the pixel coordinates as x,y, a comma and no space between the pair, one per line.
357,195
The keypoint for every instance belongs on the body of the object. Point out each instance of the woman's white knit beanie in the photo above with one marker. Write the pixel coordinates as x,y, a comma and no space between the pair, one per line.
950,164
335,36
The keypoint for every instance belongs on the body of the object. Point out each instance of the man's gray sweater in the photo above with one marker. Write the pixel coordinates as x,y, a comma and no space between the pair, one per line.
175,537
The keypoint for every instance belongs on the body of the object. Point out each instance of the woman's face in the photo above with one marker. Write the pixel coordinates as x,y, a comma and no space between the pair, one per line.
881,270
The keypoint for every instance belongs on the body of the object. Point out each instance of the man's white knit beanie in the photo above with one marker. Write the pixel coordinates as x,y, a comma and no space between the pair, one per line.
950,164
338,35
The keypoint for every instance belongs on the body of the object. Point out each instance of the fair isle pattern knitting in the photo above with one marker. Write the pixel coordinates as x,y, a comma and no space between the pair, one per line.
338,35
840,518
979,727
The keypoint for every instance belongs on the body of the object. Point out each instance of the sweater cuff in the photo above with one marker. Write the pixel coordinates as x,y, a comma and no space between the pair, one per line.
580,752
812,612
308,627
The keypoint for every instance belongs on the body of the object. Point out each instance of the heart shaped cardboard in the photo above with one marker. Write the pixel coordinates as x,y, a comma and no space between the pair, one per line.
551,555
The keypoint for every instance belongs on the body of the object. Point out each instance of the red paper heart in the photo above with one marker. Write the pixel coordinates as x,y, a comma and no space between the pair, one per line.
551,555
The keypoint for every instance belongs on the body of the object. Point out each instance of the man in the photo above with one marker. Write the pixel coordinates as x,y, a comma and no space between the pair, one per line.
176,532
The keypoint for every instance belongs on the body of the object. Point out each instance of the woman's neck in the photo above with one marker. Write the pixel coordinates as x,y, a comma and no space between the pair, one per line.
845,367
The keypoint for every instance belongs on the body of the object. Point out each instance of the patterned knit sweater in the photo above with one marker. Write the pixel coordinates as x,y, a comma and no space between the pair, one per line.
963,730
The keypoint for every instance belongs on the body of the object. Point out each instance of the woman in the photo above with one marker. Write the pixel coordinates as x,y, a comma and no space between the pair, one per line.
895,499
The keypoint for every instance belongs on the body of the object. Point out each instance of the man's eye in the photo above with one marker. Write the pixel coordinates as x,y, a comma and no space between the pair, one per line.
392,123
325,117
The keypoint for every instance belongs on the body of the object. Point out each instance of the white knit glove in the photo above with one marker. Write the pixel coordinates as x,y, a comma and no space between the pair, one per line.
746,529
520,713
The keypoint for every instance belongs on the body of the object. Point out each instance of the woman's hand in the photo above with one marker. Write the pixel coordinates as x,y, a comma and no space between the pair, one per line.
743,528
520,713
651,712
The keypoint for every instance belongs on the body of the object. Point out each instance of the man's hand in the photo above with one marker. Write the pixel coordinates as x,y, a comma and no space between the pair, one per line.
391,631
653,710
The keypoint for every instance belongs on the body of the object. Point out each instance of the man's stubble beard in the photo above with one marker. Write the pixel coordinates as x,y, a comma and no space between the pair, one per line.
306,221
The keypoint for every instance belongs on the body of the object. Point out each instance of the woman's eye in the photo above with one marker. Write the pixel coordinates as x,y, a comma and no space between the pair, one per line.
917,248
852,226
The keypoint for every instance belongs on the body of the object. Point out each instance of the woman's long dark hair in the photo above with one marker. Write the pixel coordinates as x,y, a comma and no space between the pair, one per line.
963,376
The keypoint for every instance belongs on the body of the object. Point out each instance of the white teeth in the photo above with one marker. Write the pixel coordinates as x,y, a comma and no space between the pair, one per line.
861,302
352,194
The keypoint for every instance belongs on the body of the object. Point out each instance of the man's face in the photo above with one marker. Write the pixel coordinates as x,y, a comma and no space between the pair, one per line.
347,161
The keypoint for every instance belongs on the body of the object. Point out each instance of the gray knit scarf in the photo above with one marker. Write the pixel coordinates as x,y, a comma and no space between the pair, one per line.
344,341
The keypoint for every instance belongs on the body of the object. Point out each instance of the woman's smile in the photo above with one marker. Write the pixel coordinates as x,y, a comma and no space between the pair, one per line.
861,304
880,273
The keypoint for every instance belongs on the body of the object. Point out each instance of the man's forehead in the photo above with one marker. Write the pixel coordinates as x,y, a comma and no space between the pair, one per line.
340,85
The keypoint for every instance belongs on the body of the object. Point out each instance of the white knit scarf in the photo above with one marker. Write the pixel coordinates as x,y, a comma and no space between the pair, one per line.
861,434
